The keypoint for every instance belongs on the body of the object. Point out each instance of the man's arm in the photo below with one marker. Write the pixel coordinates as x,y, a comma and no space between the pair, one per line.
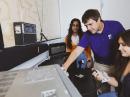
75,53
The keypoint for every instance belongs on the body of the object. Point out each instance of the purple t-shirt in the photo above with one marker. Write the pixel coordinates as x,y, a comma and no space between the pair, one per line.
103,45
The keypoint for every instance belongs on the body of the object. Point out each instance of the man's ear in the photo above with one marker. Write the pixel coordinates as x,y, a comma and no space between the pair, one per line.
99,19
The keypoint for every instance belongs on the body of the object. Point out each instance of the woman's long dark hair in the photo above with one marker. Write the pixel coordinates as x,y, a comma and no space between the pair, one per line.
70,32
121,62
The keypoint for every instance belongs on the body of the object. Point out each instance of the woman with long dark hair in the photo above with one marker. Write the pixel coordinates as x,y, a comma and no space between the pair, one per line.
75,30
74,35
123,65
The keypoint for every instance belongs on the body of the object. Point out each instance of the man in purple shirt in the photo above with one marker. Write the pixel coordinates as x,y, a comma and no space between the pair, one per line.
100,36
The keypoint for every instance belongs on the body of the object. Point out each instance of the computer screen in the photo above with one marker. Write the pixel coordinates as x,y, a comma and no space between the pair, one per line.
29,28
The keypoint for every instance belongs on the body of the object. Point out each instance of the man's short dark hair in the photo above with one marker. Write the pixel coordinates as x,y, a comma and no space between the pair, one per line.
91,14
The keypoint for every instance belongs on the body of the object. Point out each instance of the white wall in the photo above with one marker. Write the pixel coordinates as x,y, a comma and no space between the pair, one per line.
117,10
6,18
51,19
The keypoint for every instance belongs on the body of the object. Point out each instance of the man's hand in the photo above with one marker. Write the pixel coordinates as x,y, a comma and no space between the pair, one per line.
74,54
64,70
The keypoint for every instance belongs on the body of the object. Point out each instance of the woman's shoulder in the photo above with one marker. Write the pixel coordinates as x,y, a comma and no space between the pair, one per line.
65,39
